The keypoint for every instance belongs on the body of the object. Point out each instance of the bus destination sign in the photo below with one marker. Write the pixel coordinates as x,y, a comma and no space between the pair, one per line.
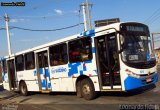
134,27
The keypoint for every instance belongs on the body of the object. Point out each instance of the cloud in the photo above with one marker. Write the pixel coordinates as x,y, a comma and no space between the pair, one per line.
58,12
22,20
76,12
14,20
17,20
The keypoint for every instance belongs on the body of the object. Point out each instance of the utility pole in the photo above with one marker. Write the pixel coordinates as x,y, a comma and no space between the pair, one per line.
86,10
153,39
84,16
89,16
8,35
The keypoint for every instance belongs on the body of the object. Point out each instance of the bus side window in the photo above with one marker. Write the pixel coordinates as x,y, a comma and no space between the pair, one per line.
19,63
80,50
58,54
29,61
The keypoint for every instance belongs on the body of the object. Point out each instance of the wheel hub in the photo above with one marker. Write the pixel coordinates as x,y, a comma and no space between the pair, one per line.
86,90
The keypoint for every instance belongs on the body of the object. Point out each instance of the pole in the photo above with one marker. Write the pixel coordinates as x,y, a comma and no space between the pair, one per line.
89,17
152,42
8,35
84,16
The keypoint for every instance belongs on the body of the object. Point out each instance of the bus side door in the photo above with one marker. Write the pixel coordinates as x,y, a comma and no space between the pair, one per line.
108,61
12,74
43,70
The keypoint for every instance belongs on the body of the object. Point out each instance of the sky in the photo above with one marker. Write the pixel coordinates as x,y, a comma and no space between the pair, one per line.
55,14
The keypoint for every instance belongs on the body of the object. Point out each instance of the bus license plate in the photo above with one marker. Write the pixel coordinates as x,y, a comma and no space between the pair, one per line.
148,80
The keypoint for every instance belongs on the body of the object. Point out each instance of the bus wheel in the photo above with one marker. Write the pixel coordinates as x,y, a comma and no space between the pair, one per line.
78,89
88,91
23,89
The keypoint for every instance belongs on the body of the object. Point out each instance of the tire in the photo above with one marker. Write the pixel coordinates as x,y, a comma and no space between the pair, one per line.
23,89
78,89
88,90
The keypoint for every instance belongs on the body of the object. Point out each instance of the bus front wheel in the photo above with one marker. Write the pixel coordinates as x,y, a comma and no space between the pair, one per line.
23,89
88,91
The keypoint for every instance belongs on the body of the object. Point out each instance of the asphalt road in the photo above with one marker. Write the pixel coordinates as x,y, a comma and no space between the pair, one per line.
147,98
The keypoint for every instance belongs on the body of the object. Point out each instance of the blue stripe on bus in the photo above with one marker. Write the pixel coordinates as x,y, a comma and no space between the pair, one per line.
81,72
3,75
133,83
49,85
80,67
90,33
47,72
43,81
95,71
43,74
41,70
48,76
88,61
84,68
93,49
35,73
73,68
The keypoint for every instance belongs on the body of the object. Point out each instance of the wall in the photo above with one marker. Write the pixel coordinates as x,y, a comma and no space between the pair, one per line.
157,55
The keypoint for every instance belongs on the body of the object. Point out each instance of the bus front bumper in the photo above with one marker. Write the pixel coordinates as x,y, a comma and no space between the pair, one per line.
131,83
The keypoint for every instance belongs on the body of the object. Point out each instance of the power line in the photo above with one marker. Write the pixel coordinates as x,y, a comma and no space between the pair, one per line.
5,28
26,29
2,28
155,19
152,17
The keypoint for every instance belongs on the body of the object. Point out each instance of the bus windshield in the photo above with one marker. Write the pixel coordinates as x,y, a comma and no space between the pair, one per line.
136,46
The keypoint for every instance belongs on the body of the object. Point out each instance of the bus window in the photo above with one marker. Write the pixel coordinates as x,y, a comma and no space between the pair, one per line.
19,63
80,50
29,61
4,66
40,61
43,59
58,54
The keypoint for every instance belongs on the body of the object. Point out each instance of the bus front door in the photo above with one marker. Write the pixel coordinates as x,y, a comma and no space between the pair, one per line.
43,71
108,61
12,74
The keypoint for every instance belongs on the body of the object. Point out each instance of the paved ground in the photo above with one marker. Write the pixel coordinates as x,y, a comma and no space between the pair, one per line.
69,101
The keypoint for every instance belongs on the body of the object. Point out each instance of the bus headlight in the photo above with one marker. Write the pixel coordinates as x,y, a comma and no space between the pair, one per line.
132,74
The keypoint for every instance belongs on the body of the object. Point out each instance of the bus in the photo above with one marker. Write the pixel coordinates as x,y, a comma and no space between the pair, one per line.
113,57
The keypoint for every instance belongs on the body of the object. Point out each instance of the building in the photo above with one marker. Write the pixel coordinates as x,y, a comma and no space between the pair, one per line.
157,55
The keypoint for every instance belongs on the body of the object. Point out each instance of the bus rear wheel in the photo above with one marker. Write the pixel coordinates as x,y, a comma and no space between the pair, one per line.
88,91
23,89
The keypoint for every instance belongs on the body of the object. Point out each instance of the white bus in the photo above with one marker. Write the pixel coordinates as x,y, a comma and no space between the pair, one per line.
115,57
